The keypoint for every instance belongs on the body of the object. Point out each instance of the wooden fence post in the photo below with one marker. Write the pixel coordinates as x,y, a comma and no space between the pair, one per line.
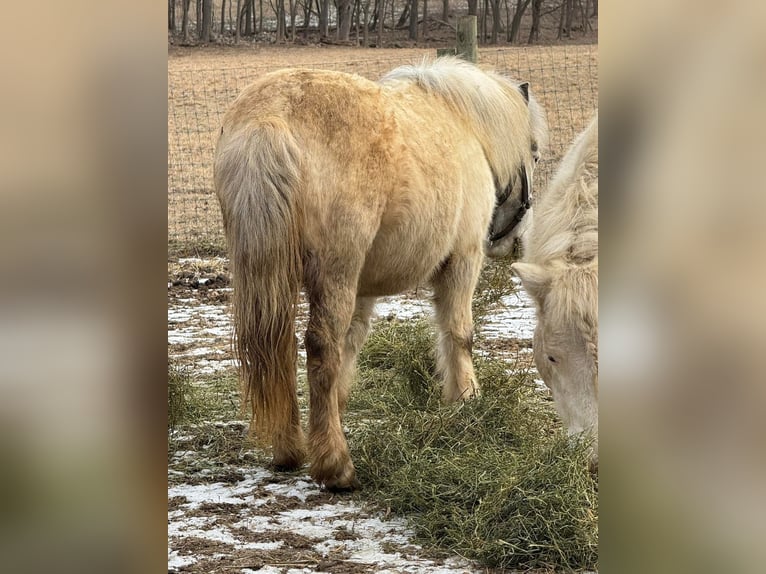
466,38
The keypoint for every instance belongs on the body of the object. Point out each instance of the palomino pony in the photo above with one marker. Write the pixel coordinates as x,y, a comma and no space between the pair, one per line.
560,272
353,189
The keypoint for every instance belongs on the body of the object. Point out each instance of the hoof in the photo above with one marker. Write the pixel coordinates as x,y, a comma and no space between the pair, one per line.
343,480
284,462
466,394
343,487
284,467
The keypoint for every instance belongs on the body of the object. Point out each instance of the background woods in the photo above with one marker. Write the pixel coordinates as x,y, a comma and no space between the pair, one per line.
379,22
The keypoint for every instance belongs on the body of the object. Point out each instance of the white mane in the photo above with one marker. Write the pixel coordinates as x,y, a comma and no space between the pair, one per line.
568,211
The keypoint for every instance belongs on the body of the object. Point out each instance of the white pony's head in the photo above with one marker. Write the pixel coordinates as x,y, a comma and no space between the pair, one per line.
566,339
560,272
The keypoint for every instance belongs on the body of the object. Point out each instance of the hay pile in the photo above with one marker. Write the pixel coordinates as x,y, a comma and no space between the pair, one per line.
493,479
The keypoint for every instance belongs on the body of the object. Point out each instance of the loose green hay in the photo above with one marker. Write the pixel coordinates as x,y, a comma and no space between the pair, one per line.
494,283
493,479
180,401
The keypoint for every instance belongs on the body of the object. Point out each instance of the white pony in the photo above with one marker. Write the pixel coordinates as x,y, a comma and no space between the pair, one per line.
560,272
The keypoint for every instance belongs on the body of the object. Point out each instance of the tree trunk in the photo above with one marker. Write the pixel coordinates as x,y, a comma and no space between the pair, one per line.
238,24
445,10
198,18
496,25
413,20
172,16
569,17
207,20
513,33
473,7
425,19
563,9
293,18
381,16
534,31
324,18
507,17
280,32
404,16
366,29
344,19
260,16
393,18
223,17
185,21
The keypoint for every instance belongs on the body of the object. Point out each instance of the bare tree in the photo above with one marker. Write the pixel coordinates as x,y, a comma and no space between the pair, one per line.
344,19
473,7
445,10
513,32
534,31
185,21
324,18
367,16
172,16
496,23
425,19
413,35
280,11
381,16
238,24
249,9
223,17
404,17
293,17
207,20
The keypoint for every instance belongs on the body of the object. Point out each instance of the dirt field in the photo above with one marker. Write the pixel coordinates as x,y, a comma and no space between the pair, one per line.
203,82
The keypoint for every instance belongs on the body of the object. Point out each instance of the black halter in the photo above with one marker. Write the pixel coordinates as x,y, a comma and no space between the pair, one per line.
523,208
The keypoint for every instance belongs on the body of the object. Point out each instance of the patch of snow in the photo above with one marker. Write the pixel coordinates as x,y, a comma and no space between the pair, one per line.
300,489
198,494
201,260
402,308
176,561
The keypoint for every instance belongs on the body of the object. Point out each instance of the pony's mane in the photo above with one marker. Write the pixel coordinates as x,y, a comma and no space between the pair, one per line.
565,224
490,101
574,296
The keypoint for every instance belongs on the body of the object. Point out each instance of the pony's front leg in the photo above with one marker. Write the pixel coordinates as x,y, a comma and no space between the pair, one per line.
453,288
330,318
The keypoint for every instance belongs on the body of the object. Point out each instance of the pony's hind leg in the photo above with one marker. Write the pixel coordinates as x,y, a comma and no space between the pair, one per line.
453,286
331,294
355,338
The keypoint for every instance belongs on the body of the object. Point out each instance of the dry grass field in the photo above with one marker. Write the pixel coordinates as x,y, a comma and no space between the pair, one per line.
202,84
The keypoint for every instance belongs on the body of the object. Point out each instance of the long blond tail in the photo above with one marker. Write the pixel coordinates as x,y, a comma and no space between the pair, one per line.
257,176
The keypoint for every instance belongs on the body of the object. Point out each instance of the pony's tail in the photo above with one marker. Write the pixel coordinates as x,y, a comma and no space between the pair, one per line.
257,176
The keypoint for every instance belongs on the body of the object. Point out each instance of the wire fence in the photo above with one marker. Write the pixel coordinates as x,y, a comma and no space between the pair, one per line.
563,78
